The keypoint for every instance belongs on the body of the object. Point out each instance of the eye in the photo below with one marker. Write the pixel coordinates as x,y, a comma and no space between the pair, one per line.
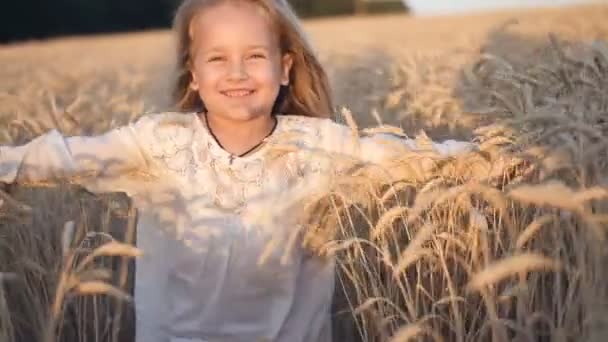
215,59
257,56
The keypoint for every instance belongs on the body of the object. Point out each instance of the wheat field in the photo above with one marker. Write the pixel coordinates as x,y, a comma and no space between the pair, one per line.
504,244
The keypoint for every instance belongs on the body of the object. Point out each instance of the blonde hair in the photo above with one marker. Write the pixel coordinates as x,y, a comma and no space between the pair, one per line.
308,93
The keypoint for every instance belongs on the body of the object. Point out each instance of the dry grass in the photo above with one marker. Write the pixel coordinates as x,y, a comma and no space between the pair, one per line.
504,244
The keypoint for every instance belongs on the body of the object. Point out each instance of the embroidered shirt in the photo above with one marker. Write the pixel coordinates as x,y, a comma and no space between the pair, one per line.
207,220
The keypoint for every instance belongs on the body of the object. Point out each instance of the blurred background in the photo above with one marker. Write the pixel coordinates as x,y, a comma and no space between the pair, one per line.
34,19
31,19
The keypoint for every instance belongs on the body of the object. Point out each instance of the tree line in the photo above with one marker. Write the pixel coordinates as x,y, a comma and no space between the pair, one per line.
34,19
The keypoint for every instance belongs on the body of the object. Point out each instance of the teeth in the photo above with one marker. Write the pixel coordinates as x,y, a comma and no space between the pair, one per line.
238,93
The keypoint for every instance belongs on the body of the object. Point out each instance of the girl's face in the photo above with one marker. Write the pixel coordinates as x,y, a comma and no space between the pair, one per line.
238,66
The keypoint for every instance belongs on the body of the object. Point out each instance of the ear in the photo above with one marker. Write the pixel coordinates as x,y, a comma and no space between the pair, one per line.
286,65
194,83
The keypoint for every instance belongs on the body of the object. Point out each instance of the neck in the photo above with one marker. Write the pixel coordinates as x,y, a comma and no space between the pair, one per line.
238,136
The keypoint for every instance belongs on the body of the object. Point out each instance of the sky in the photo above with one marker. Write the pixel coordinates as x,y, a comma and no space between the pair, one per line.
426,7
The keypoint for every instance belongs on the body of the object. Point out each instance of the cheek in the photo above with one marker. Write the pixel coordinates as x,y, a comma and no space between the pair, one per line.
266,75
207,78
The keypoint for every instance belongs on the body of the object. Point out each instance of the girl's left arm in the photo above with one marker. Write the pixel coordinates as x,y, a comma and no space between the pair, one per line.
382,147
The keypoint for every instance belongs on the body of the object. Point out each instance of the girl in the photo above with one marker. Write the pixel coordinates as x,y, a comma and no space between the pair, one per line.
209,185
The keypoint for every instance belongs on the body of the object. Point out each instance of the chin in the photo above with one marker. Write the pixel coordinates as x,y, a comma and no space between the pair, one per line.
242,114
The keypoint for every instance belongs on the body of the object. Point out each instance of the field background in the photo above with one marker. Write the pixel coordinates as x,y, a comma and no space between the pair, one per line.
465,248
408,69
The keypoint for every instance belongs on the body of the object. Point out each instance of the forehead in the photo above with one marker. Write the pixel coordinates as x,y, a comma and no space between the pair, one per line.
230,23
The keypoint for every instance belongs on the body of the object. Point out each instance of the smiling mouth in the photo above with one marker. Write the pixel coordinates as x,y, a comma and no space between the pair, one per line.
238,93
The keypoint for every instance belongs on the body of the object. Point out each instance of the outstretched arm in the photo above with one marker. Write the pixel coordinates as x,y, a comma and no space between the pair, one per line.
52,156
422,154
381,147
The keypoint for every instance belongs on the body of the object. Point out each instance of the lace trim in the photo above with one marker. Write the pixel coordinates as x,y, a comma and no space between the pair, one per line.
186,149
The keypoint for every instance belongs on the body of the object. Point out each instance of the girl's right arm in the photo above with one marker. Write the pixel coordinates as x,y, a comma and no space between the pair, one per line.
52,156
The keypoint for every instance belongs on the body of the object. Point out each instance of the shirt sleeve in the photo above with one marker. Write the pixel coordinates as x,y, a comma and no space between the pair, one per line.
381,147
52,156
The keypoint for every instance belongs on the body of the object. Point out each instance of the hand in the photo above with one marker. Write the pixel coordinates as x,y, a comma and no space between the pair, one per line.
453,148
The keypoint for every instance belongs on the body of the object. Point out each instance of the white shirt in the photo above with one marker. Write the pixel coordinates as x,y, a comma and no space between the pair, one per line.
221,260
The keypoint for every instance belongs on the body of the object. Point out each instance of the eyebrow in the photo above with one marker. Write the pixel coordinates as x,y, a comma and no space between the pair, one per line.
249,47
265,47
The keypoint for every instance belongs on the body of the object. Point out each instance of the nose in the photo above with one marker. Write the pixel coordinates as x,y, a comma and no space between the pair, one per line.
237,70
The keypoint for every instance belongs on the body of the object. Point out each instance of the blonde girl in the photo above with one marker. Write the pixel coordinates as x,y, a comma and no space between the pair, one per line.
211,190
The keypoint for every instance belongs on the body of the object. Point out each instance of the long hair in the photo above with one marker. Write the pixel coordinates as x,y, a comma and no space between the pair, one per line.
308,93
